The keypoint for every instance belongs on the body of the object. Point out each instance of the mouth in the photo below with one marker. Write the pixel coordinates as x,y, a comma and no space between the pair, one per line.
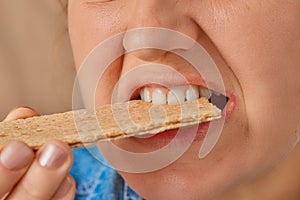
160,85
157,94
165,87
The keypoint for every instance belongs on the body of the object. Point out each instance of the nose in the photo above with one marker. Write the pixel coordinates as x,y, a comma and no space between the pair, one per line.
156,27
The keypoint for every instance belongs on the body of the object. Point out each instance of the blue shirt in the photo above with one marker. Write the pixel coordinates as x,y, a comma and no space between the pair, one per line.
96,180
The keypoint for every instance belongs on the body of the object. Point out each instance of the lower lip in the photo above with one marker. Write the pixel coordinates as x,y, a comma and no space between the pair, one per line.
164,138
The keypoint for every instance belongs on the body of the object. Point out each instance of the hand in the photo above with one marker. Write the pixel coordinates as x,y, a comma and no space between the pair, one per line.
40,175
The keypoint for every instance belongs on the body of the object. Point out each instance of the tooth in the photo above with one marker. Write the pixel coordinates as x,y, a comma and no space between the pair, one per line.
176,95
216,93
192,93
205,92
142,94
158,96
146,95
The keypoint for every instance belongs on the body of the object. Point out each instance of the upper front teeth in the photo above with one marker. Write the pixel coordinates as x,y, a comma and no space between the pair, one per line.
192,93
205,92
158,96
146,95
175,95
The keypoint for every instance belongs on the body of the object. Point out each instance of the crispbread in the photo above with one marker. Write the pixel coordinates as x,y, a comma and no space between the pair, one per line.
115,121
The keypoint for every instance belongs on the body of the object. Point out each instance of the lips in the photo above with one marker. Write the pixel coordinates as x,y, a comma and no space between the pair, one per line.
163,85
166,86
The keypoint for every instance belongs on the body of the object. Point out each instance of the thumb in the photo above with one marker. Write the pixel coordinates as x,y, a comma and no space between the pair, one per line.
20,113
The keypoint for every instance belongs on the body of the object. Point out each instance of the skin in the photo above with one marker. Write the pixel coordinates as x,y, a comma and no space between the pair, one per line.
256,46
26,182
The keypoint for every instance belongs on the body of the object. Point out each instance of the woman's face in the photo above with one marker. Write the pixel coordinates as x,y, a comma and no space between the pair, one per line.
256,47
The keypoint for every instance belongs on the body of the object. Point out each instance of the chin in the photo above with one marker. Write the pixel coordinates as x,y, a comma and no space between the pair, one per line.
190,177
179,182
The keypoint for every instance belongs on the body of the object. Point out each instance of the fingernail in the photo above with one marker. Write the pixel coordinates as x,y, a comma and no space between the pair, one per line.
52,156
9,115
64,188
16,155
12,115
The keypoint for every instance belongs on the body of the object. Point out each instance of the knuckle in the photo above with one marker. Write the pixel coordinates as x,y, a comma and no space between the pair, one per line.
27,192
66,190
31,193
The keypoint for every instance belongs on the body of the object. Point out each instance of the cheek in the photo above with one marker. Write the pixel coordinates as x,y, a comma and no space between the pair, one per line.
89,25
107,83
261,45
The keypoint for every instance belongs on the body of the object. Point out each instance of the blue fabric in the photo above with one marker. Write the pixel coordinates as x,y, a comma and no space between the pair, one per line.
96,180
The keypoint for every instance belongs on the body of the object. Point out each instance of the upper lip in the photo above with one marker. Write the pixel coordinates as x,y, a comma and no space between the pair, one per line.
158,74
